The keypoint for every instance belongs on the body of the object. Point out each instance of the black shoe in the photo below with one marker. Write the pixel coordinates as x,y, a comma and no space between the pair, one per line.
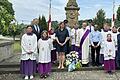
45,76
93,64
85,65
41,76
110,72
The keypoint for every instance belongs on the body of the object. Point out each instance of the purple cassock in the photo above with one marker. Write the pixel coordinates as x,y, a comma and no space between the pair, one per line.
28,67
109,65
44,68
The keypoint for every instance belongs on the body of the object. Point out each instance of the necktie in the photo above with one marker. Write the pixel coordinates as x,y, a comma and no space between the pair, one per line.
37,28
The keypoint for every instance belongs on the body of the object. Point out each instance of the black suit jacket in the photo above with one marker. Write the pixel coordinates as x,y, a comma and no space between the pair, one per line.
36,32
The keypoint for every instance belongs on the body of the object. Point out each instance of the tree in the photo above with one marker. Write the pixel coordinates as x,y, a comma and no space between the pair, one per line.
6,16
15,29
100,18
117,21
108,20
44,23
40,21
54,24
7,5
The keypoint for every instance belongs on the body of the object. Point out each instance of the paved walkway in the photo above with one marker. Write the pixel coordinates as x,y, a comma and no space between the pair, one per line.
77,75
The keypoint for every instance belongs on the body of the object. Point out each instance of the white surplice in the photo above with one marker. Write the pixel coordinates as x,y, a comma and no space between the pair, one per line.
109,49
115,39
45,47
104,38
69,30
74,34
52,37
85,46
29,44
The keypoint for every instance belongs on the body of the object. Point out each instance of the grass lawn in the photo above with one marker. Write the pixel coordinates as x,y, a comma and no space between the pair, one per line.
16,47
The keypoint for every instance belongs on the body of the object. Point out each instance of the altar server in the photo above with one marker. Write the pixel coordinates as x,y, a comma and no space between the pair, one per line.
109,54
29,53
44,57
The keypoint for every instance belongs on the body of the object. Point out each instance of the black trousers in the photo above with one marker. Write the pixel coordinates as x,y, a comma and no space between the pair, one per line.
95,58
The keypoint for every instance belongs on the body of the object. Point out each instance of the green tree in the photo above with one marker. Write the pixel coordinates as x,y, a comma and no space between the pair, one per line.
54,24
80,23
6,16
117,21
39,21
7,5
15,29
100,18
43,23
108,20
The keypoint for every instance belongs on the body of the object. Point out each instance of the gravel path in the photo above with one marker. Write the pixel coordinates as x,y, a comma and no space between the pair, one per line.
77,75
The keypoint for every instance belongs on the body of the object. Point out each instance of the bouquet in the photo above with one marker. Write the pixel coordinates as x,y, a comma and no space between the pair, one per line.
72,61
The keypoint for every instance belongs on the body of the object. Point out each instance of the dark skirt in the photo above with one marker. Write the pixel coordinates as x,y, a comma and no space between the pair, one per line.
44,68
61,48
28,67
53,55
109,65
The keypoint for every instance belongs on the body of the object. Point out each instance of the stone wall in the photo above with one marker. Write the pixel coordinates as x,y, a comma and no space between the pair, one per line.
6,50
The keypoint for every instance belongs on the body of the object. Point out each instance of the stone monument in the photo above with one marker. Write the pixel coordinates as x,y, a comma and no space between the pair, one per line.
72,12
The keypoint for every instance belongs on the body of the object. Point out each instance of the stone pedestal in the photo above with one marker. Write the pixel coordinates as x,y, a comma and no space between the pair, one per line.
6,50
72,12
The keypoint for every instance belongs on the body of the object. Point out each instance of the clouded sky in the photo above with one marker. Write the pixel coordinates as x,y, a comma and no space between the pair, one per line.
26,10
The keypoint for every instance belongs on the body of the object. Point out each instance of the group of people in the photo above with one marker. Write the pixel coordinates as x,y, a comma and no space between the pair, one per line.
40,49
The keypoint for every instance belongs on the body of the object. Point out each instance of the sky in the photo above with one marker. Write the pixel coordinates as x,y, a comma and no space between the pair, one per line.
26,10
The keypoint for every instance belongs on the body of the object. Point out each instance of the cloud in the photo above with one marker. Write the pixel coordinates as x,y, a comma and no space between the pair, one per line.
29,9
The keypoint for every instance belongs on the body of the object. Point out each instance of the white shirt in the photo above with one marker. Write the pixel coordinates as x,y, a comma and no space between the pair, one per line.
45,47
29,44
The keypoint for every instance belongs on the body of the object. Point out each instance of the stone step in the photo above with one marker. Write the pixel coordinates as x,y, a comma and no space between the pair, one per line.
16,70
9,70
9,65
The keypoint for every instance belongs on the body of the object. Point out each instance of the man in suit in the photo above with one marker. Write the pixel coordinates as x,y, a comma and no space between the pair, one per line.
36,28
